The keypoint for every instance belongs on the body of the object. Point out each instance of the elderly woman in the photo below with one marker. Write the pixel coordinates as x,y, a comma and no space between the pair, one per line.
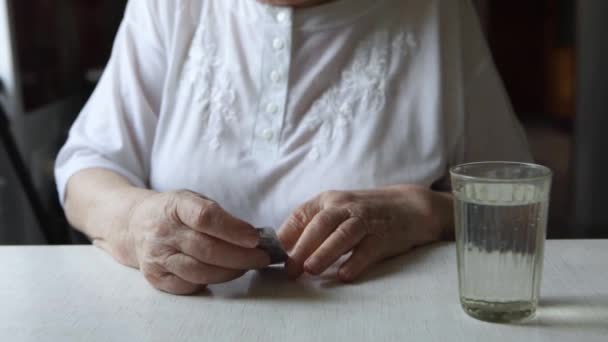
335,121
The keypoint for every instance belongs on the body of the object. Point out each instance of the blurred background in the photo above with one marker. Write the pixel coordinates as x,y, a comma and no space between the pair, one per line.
552,55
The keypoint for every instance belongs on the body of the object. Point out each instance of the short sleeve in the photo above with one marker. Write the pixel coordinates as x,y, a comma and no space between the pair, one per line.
115,130
491,129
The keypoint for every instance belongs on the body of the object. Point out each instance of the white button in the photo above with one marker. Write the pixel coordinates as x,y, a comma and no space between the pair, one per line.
278,44
275,76
267,134
283,17
272,108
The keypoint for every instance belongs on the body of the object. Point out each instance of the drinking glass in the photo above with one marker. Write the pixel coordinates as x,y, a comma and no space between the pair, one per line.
501,217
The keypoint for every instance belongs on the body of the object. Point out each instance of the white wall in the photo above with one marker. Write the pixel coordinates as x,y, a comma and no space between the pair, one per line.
8,65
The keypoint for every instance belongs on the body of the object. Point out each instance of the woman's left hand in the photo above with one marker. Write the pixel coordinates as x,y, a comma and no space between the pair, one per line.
373,224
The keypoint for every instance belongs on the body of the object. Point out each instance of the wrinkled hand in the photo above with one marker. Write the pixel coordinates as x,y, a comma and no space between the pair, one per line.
373,224
184,242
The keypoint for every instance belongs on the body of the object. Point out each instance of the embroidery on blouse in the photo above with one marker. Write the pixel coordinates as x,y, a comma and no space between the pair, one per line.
360,90
213,93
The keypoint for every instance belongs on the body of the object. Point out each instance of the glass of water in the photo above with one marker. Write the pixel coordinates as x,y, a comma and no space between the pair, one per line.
501,218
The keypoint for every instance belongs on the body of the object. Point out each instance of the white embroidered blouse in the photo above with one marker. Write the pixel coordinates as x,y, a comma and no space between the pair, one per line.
262,107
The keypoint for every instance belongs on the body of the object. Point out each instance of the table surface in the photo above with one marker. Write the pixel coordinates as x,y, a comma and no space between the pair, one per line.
81,294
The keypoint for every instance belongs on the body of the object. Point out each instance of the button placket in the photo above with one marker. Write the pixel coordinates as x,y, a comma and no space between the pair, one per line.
275,68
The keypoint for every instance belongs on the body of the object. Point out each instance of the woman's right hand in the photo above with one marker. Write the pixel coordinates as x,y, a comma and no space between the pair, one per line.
184,242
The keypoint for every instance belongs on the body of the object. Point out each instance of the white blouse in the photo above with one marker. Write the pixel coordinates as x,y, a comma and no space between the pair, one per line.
262,107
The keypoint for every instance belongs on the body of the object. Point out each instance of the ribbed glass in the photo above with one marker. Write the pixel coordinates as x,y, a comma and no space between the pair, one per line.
501,217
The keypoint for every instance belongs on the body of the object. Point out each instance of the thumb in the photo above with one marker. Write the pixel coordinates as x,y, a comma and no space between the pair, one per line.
207,217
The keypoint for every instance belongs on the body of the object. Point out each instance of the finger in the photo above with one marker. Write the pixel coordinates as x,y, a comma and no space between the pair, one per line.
348,235
367,253
208,217
292,228
165,281
213,251
317,231
196,272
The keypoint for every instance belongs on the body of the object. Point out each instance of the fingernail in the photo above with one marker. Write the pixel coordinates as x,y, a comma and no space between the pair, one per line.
312,266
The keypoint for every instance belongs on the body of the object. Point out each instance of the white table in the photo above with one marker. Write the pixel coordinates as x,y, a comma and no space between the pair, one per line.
81,294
